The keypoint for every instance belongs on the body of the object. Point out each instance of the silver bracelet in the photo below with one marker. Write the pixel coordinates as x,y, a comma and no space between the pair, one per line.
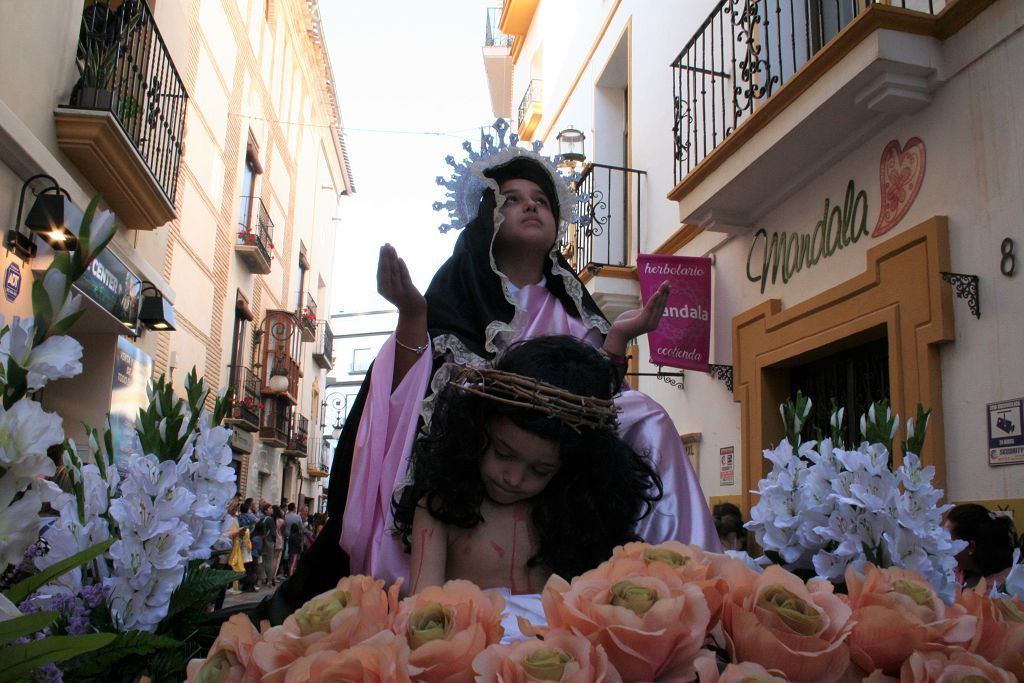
418,350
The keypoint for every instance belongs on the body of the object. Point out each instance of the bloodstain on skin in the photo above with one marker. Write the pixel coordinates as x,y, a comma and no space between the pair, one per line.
518,519
425,534
498,550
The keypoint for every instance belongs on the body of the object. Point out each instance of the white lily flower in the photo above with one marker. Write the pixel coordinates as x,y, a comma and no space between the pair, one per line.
910,429
871,412
807,408
864,424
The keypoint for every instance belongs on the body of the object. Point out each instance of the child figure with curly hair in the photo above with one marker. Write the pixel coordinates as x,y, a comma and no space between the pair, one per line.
521,473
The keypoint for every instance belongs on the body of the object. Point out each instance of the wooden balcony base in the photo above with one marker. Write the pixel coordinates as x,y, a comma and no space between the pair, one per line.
253,258
96,144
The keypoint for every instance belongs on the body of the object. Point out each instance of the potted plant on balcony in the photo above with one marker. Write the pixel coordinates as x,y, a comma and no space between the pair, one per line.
102,37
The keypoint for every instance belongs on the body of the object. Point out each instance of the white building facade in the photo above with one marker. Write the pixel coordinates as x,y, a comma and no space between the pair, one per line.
854,171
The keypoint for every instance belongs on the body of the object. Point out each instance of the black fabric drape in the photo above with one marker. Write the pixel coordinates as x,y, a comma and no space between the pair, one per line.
464,297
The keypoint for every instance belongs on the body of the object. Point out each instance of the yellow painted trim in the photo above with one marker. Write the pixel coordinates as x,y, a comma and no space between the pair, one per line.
678,239
583,68
899,291
875,18
516,17
529,126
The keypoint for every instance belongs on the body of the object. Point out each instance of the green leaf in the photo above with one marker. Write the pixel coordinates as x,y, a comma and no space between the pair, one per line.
128,644
26,587
19,660
25,625
198,587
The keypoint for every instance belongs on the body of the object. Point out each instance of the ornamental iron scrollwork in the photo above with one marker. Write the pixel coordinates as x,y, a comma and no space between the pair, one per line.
965,287
746,17
723,373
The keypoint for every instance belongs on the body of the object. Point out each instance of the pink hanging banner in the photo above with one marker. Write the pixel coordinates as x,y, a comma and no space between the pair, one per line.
683,337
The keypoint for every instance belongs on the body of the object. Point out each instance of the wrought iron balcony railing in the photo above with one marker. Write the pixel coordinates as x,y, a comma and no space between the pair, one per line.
609,217
530,97
744,52
323,346
276,422
255,229
298,440
126,69
493,37
246,399
307,316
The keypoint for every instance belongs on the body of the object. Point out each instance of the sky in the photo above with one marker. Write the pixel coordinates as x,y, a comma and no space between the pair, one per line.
411,87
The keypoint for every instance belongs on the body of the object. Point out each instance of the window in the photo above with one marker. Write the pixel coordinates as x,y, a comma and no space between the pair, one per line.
855,377
361,359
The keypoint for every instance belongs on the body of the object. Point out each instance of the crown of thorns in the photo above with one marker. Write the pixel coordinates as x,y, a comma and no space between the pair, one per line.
508,388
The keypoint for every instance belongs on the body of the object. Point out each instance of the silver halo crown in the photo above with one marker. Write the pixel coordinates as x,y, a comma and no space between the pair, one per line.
467,183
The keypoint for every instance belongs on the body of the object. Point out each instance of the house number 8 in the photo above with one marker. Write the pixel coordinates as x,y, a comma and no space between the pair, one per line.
1008,263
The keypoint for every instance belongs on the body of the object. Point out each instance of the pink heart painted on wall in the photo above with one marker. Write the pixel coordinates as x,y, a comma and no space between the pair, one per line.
900,174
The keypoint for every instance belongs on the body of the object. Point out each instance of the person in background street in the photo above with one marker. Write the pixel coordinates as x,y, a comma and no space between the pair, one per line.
292,517
990,538
247,519
266,531
278,521
227,542
296,543
729,524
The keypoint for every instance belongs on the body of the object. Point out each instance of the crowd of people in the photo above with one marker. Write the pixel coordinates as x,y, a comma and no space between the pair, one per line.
264,541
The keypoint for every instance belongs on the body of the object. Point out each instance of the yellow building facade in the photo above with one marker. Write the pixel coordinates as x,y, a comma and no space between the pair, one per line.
212,129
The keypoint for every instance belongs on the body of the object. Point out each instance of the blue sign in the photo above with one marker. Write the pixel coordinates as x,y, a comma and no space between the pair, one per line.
12,281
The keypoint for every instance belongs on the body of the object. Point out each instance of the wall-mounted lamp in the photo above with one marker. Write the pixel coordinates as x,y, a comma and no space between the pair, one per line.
46,218
278,382
156,313
570,146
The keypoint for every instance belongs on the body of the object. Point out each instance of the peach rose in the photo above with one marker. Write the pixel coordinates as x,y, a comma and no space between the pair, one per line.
447,626
356,609
781,623
955,666
230,659
651,623
745,672
897,612
688,563
383,658
1000,634
561,656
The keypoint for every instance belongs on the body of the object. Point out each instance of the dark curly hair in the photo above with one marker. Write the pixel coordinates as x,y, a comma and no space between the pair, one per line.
592,504
994,536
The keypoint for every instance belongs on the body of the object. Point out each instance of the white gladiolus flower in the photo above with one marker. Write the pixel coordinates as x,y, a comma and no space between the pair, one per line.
8,610
829,508
19,527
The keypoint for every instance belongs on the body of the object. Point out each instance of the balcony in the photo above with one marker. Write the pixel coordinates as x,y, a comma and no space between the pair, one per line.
530,109
323,347
255,236
316,463
765,99
498,64
276,422
609,227
246,399
298,439
306,316
124,124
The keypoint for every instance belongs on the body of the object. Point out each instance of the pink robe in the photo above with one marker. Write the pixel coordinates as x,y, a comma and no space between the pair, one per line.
388,428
